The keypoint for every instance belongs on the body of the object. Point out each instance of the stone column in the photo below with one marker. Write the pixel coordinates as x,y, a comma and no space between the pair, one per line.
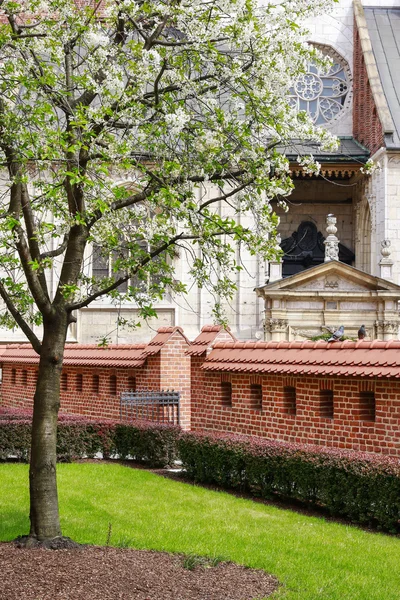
331,242
387,330
277,329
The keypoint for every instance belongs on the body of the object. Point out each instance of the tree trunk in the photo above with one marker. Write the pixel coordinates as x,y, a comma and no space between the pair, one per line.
44,516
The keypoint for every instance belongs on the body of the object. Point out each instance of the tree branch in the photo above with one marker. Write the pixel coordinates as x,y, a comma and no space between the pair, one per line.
58,251
227,195
20,320
121,280
124,203
31,233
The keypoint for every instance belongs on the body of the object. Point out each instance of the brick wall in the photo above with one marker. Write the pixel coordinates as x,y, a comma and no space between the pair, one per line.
367,128
352,413
81,392
95,392
366,413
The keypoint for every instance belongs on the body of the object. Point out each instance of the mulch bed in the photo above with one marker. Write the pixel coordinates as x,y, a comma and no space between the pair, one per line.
104,573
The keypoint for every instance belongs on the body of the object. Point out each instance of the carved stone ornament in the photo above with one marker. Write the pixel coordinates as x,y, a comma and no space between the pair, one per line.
305,333
388,326
385,249
331,283
277,325
331,242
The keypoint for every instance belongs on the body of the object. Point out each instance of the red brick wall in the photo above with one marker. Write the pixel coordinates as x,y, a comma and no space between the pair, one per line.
169,369
353,426
345,430
104,404
367,127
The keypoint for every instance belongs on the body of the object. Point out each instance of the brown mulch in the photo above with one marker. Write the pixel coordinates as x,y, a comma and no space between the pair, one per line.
97,573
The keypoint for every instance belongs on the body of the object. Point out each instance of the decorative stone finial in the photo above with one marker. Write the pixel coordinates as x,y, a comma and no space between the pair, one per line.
386,263
385,249
331,242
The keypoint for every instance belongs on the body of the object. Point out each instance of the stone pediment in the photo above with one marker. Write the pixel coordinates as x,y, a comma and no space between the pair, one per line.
331,277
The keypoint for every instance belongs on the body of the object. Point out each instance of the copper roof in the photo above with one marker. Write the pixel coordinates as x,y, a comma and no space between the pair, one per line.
205,338
352,359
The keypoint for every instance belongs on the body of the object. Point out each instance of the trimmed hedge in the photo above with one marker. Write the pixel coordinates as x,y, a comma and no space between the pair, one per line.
364,488
79,437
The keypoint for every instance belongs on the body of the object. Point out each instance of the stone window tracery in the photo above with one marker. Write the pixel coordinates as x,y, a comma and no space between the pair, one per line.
323,94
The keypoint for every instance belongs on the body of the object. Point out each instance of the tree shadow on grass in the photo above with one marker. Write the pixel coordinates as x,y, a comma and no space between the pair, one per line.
13,522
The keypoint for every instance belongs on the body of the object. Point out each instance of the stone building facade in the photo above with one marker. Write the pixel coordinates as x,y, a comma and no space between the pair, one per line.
358,101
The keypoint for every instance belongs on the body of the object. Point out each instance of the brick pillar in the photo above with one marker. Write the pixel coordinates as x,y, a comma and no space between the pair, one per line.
175,373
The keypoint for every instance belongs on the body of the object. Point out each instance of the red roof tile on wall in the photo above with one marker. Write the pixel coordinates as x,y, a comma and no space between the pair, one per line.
162,337
353,359
205,338
89,355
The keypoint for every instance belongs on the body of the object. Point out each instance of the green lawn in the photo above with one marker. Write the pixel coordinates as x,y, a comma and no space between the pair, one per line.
314,559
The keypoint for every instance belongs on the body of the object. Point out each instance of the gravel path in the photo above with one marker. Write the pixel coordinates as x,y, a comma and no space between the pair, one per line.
97,573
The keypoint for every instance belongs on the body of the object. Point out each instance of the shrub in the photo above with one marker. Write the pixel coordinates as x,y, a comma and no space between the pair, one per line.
362,487
81,437
154,443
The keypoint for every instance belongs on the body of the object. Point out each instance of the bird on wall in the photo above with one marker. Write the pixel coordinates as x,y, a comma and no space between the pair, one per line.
337,336
362,332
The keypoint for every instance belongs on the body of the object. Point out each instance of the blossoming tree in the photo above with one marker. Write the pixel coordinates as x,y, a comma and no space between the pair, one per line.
187,101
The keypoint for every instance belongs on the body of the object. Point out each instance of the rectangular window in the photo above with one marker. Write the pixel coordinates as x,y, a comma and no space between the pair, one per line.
289,400
132,384
326,404
79,382
95,384
64,382
367,406
13,376
113,385
24,378
256,396
226,393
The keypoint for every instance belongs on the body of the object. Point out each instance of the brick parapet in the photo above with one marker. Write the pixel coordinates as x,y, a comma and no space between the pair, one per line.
350,427
351,412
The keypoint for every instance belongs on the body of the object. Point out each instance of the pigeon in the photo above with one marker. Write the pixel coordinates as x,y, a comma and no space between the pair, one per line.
337,335
362,332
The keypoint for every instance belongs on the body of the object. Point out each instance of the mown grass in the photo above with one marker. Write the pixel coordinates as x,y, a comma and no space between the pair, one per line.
313,559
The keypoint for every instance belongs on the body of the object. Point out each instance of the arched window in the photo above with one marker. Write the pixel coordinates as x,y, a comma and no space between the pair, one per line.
322,93
132,242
